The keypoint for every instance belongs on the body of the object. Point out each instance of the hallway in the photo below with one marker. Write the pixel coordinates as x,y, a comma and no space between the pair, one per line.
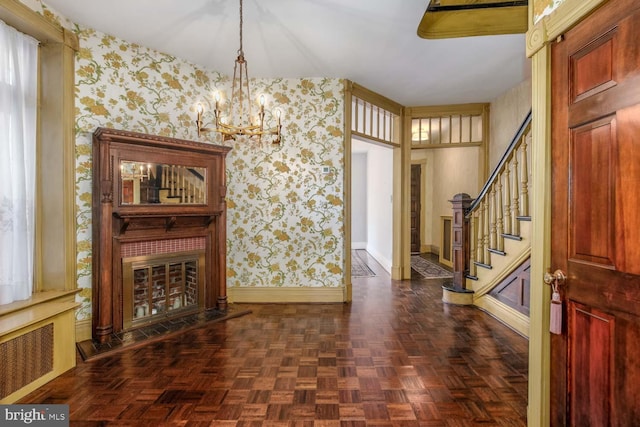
395,356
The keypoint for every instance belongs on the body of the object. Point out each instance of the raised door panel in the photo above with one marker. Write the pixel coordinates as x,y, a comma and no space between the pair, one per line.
592,68
628,191
590,339
592,175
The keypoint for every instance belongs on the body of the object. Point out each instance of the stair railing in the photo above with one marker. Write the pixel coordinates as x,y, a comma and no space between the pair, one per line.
496,213
183,183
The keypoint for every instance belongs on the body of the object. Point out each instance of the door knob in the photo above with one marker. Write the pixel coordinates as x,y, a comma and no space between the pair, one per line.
557,277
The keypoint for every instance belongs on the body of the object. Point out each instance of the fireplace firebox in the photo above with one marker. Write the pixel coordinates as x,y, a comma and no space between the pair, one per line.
160,286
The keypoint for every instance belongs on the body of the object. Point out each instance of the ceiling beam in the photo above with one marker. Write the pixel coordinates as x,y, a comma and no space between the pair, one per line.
466,18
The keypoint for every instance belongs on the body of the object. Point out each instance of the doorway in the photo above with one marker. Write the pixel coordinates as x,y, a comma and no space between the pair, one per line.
372,200
416,208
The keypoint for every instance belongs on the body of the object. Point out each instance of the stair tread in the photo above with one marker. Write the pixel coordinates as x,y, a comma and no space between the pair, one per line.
480,264
511,236
497,252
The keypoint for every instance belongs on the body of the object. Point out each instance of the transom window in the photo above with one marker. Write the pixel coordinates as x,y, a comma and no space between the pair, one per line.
447,129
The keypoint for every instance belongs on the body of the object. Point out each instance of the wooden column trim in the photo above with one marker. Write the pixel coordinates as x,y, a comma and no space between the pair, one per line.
568,14
540,34
460,239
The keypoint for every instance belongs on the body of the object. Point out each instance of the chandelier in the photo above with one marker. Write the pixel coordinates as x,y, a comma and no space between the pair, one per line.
240,107
135,171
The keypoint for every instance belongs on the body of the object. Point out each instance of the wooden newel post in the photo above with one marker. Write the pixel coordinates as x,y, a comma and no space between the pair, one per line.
460,244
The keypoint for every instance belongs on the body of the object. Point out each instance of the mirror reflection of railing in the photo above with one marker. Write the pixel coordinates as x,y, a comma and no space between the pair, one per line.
151,183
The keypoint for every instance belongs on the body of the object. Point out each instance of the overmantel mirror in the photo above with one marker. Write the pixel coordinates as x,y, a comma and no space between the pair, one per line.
162,183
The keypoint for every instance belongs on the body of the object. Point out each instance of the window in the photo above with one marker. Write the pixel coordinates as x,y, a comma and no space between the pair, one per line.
447,129
54,262
373,122
440,126
18,124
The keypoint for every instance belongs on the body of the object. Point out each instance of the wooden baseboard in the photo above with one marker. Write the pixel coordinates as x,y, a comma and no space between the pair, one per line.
430,249
286,295
83,330
507,315
450,296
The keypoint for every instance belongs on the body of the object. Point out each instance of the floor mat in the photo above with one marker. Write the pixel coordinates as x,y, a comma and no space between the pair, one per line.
428,269
359,267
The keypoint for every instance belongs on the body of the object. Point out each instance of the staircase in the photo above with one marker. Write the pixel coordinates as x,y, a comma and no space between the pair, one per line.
176,185
497,238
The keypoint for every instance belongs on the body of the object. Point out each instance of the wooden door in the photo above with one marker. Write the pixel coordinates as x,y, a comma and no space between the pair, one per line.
416,171
595,362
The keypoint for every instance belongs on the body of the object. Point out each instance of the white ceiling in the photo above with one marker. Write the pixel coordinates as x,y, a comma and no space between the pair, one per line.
371,42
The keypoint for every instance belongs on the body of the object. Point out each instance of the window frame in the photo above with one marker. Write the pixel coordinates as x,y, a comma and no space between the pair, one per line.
461,110
55,230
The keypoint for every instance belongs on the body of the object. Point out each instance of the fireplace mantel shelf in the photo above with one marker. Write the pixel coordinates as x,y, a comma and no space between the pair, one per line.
170,221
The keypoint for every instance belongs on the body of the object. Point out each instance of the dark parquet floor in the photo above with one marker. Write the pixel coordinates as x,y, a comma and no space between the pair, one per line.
395,356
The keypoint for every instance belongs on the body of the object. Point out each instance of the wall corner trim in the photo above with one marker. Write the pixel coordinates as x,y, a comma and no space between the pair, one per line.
568,13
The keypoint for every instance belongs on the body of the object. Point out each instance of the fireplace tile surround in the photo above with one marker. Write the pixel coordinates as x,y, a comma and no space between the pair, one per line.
165,246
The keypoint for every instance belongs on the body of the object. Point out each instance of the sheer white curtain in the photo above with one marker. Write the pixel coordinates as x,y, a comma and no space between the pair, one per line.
18,99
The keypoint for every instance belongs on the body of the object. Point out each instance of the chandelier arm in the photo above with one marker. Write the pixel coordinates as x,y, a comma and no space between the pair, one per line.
246,78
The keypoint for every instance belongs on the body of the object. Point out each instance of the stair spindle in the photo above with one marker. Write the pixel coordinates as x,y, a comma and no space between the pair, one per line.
507,196
515,199
164,176
493,215
524,194
499,220
480,238
473,243
173,180
485,229
181,180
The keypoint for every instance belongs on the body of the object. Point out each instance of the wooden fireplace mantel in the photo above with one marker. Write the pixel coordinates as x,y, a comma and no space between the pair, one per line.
149,188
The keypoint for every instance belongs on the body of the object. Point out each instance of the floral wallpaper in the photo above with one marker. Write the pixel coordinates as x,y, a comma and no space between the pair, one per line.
285,211
285,218
542,8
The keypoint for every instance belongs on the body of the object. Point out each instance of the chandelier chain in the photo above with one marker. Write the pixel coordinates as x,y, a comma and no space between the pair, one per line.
240,51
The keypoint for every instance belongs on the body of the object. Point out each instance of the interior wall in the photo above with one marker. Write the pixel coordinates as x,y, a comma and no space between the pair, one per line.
455,171
359,200
449,171
507,113
380,204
